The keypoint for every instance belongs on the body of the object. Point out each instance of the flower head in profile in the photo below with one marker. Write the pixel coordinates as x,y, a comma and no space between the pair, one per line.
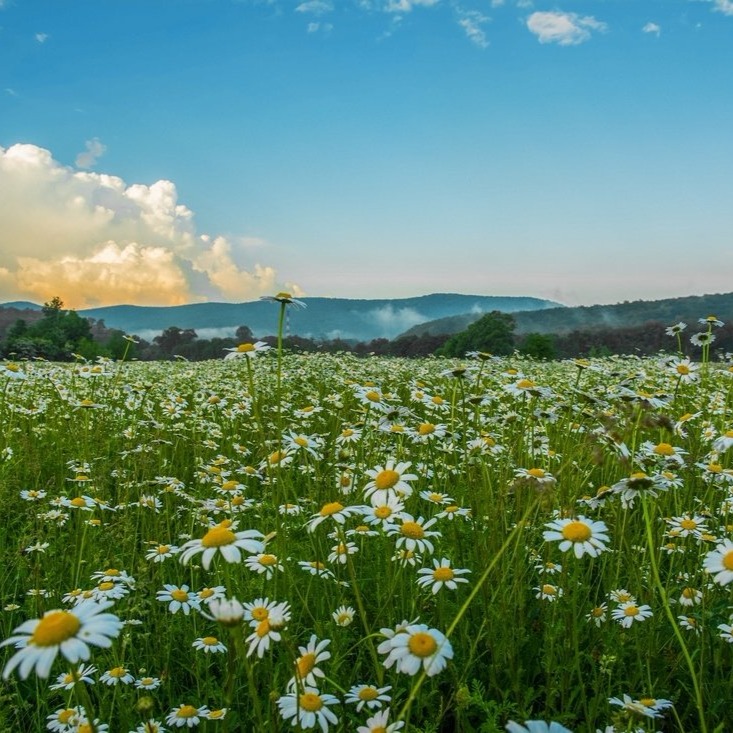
536,726
223,539
246,350
284,299
39,641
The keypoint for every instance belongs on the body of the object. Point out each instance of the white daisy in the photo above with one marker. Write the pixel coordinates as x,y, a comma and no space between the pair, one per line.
308,708
414,647
720,562
583,535
222,538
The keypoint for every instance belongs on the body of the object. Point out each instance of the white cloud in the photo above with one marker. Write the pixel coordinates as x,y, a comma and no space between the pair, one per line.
652,28
565,29
317,7
471,22
723,6
41,37
95,240
405,6
94,149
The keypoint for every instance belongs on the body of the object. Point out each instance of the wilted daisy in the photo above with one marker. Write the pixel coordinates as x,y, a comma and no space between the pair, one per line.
178,598
379,723
307,671
628,613
414,647
186,716
222,538
368,695
209,645
720,562
583,535
117,676
69,632
308,708
441,575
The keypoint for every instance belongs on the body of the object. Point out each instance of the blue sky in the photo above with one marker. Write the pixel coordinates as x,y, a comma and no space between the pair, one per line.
168,151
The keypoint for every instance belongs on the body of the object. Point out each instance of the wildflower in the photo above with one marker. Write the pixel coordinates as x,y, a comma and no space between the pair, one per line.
414,647
186,716
222,538
690,597
583,535
343,615
117,676
308,708
207,595
219,714
536,726
702,339
267,622
725,441
315,567
246,351
379,723
159,553
389,480
334,510
227,612
452,511
67,680
711,321
178,598
690,623
686,525
384,513
413,533
441,575
284,299
209,645
368,695
627,613
548,592
150,726
726,632
597,614
676,329
306,665
720,562
264,563
62,720
647,707
147,683
685,370
68,632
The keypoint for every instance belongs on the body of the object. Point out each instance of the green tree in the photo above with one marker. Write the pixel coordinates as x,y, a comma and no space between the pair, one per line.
539,346
492,333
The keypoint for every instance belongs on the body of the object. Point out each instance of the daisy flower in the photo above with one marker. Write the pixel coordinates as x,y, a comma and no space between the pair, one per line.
413,533
226,611
61,720
627,613
720,562
340,552
284,299
147,683
186,716
384,513
597,615
686,525
441,575
178,598
368,695
725,441
264,563
70,632
222,538
648,707
160,553
334,510
306,665
414,647
548,592
209,645
379,723
389,480
726,632
67,680
536,726
308,708
246,351
150,726
583,535
343,615
117,676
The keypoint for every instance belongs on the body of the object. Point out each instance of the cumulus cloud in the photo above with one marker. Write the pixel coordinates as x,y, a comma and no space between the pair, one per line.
471,22
317,7
94,150
723,6
405,6
565,29
652,28
95,240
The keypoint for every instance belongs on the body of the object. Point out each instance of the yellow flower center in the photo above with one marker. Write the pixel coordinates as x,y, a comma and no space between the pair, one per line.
536,472
260,613
683,369
437,400
301,441
54,628
631,611
230,485
345,480
316,565
276,457
688,593
386,479
450,509
328,510
179,595
688,524
78,502
210,641
426,428
237,500
368,693
422,644
372,396
283,296
244,348
382,512
729,433
106,585
268,560
525,384
597,612
664,449
186,711
310,702
66,716
117,672
347,433
715,468
216,714
85,727
305,664
218,536
263,628
576,531
443,574
342,549
412,530
728,560
648,702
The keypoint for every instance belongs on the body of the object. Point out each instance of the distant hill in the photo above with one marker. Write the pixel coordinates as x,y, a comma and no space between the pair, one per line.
22,305
620,315
323,318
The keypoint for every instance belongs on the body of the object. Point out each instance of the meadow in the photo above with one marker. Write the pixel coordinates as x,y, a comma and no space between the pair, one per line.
274,542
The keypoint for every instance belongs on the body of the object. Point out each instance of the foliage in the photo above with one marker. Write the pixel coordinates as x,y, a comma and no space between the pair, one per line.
492,333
